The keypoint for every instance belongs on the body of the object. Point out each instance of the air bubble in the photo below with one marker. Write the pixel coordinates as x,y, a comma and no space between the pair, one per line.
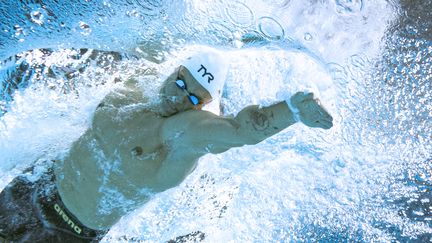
271,28
308,37
37,17
86,30
220,31
18,30
240,14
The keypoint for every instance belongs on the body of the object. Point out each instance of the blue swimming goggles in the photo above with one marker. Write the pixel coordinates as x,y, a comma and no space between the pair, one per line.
192,98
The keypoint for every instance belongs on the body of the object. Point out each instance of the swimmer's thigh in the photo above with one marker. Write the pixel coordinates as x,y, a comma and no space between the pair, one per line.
20,220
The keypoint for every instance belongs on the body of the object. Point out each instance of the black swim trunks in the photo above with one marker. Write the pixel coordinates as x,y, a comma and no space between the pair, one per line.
31,211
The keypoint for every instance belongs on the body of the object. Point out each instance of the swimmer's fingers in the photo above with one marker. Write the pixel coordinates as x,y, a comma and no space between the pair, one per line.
311,112
325,123
322,117
320,123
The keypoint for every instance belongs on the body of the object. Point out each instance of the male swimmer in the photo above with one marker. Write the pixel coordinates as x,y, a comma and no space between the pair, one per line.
131,152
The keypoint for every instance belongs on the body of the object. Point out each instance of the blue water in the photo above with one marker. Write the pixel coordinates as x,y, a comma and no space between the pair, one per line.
368,179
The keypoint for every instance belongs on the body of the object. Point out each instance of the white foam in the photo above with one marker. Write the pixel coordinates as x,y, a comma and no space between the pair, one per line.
301,179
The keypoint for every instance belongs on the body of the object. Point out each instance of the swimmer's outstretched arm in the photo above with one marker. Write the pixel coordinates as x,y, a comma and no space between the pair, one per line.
252,125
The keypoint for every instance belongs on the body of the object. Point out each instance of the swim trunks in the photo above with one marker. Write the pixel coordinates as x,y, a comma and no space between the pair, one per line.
31,210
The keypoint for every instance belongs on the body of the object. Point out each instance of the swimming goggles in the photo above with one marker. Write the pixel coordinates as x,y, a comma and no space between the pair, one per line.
192,98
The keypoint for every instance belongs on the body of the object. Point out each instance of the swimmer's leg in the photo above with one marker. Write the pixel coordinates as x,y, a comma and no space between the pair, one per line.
20,218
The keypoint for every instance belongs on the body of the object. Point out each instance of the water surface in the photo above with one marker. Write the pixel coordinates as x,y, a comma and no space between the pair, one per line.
366,179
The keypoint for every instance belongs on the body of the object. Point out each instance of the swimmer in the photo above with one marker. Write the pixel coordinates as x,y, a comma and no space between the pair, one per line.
131,152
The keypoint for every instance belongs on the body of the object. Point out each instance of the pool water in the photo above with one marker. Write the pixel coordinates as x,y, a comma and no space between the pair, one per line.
369,178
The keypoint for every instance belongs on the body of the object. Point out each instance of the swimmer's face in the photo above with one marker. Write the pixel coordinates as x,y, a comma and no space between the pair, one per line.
175,99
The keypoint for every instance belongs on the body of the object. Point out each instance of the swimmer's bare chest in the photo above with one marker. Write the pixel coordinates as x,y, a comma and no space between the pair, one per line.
145,159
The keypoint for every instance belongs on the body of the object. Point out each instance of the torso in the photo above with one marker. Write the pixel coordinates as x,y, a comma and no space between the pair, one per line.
119,163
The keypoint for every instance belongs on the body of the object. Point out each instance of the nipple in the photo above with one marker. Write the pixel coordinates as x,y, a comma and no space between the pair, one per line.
137,151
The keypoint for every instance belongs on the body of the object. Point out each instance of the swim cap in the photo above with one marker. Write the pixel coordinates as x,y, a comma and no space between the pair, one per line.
210,69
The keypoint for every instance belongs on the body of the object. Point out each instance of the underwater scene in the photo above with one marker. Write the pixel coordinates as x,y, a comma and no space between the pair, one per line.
367,179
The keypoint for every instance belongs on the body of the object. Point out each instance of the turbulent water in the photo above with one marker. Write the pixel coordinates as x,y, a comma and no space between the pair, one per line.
366,179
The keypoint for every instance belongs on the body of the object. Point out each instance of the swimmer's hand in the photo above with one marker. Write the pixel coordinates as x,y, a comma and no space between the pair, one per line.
310,111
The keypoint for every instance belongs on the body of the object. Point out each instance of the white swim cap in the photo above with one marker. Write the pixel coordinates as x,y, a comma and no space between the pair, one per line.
210,69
